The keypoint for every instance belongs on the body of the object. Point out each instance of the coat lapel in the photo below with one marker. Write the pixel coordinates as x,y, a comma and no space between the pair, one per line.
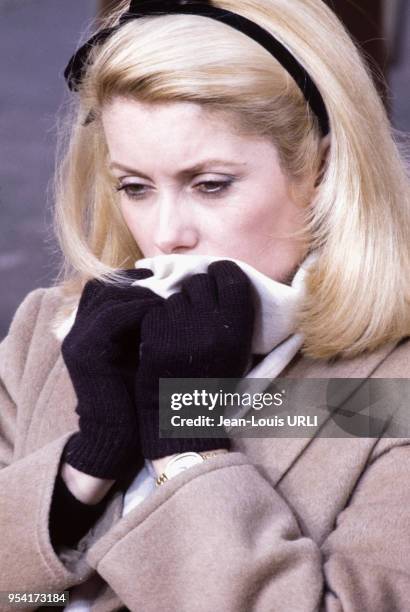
284,452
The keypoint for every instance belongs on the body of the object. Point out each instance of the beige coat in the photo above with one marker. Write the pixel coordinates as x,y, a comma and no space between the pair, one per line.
278,525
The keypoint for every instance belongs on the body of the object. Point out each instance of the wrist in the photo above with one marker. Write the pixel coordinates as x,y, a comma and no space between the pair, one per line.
88,489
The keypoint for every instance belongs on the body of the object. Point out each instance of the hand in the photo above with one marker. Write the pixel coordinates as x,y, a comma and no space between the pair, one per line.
101,351
204,331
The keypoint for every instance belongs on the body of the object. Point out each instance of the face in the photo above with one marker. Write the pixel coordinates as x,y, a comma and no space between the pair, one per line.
189,183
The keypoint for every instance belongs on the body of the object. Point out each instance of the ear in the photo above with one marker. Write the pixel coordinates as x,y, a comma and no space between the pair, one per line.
324,153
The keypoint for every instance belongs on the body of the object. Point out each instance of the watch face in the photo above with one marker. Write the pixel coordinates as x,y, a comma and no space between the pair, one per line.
182,462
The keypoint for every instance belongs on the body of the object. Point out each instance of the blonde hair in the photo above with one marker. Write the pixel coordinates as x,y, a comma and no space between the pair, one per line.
358,291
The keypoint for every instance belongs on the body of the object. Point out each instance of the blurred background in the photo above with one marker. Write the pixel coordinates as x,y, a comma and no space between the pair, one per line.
37,37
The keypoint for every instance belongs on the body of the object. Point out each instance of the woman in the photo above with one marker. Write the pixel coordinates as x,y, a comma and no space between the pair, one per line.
199,134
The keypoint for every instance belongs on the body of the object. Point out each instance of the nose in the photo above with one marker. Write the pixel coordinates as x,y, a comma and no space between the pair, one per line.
176,231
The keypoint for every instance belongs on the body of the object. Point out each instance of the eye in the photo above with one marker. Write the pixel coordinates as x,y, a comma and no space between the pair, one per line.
133,190
214,187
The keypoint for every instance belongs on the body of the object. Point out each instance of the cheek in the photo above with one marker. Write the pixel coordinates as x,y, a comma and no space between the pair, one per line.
258,230
137,224
129,217
272,215
250,221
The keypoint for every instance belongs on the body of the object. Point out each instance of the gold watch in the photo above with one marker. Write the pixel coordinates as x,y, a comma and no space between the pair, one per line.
183,461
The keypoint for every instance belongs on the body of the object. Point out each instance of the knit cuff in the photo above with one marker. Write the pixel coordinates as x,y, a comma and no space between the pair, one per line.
103,451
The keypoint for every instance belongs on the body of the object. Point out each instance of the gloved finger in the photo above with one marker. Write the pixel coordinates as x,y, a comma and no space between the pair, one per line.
90,291
135,296
115,312
173,309
97,291
135,274
201,291
154,319
114,316
233,287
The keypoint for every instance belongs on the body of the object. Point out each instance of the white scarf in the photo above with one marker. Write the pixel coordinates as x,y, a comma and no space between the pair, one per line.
276,304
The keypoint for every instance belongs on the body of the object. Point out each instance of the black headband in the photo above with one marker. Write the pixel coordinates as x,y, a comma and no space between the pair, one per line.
75,69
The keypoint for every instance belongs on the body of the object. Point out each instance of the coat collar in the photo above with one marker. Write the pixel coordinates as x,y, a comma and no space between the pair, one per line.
285,451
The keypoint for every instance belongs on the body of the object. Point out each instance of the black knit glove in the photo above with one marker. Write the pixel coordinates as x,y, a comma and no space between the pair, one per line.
101,353
204,331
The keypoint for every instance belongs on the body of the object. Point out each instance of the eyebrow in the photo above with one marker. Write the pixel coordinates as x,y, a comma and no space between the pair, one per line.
197,168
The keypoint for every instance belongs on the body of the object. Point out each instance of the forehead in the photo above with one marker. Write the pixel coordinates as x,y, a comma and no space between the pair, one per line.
177,129
169,115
